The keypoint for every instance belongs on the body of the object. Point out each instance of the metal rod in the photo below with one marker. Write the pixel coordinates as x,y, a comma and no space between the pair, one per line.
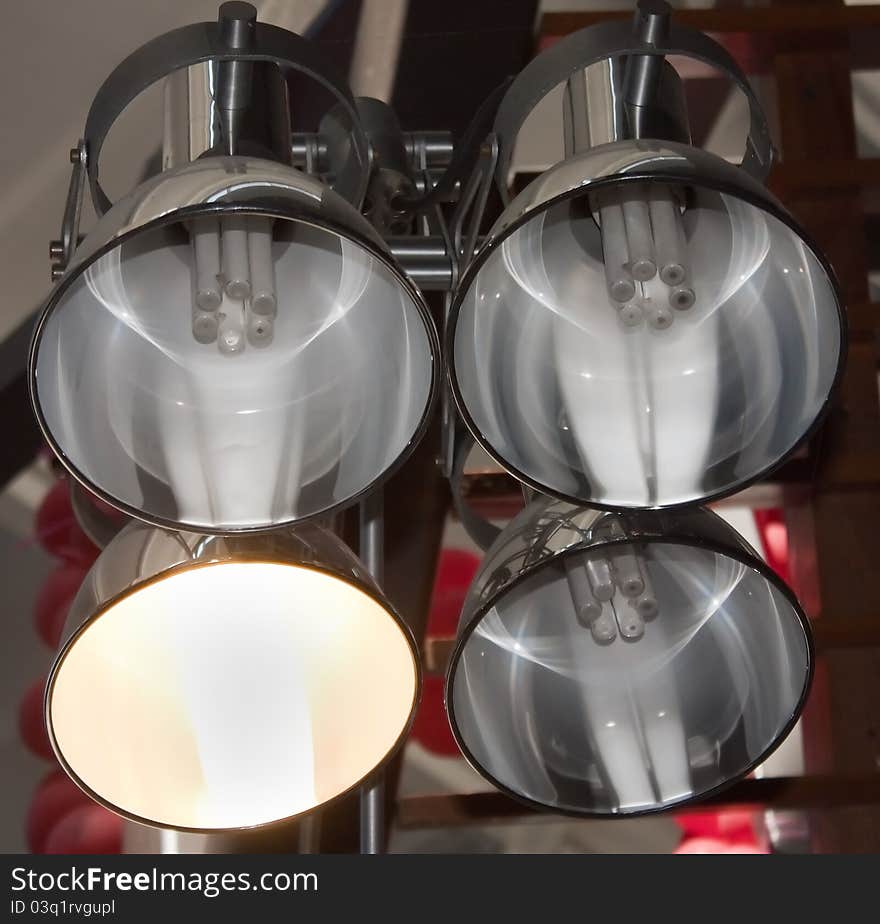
638,96
436,146
373,817
372,547
426,150
222,108
235,77
643,71
593,108
372,535
425,260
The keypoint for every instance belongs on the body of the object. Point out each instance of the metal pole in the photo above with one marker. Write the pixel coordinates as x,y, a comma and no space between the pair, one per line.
235,78
593,107
227,107
643,71
425,260
372,544
596,109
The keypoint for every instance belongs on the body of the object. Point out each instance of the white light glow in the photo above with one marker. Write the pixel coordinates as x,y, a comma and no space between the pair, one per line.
232,695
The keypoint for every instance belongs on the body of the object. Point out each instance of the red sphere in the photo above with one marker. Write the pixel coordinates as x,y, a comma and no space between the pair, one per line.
57,530
31,722
54,798
87,829
54,599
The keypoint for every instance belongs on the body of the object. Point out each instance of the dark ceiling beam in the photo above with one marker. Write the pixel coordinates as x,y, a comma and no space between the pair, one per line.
454,54
750,33
768,19
21,436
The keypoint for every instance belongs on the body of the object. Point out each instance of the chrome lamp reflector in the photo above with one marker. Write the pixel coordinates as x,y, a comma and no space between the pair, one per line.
233,348
618,664
210,683
591,384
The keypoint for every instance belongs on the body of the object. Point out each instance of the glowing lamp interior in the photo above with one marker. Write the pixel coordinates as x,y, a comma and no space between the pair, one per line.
231,695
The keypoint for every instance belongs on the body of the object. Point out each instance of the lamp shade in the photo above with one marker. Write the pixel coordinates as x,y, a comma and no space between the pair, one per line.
233,349
210,683
620,664
590,377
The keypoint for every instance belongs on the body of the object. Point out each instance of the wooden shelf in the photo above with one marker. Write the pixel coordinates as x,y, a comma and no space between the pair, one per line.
782,793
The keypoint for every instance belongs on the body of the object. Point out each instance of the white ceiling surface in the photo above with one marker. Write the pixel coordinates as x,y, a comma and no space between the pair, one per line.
55,56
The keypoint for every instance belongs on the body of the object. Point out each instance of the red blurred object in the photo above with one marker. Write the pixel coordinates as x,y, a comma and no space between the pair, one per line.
733,830
54,599
455,571
31,724
57,530
725,831
106,509
731,824
774,539
431,727
87,829
705,845
61,817
54,798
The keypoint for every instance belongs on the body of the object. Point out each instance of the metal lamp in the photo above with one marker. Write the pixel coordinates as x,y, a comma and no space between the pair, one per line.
232,347
617,664
239,345
213,683
645,325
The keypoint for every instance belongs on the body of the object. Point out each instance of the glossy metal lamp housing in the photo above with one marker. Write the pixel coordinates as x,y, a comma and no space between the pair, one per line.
617,664
645,326
170,428
232,347
209,683
561,391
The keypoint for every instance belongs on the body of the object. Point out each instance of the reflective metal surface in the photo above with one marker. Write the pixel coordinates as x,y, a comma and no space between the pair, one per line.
623,663
157,420
556,386
189,115
256,124
207,683
596,111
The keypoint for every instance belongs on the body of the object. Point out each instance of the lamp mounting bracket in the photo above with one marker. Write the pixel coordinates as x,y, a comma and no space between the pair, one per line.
462,241
209,41
61,250
653,37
